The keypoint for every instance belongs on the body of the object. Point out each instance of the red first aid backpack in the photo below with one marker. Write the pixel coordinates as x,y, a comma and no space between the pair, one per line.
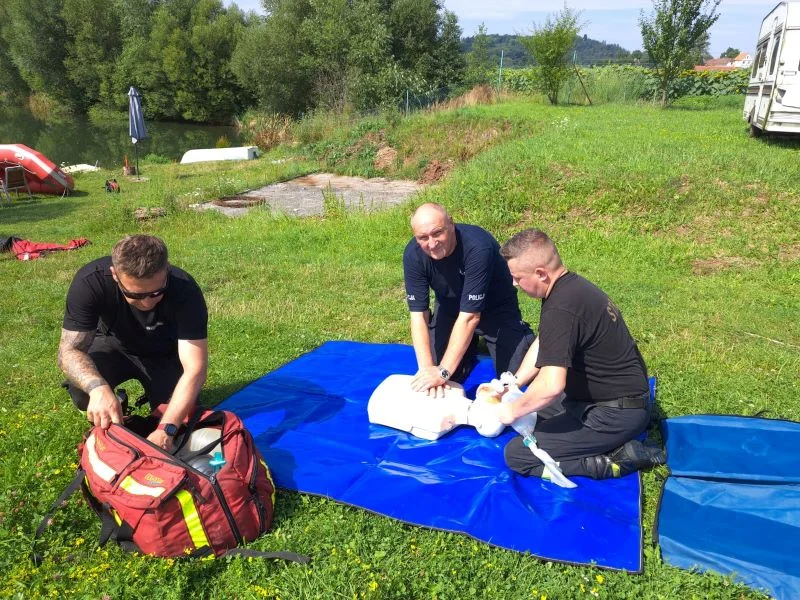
157,503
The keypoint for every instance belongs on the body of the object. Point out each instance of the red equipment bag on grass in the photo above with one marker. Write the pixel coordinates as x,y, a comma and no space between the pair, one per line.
213,494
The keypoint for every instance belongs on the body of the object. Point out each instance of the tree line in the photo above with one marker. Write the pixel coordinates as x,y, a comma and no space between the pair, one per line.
197,60
587,51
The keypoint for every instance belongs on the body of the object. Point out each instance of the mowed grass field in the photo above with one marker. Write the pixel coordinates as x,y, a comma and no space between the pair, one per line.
689,225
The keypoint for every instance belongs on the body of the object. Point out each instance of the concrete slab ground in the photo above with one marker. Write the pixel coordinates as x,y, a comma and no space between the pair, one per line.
305,196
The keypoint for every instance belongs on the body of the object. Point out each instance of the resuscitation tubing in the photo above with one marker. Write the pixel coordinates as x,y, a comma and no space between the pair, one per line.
525,425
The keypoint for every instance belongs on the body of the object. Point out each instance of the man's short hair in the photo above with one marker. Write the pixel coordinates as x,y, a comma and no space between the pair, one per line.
535,240
140,256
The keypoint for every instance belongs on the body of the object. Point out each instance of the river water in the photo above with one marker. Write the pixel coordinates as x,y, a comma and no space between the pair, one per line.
80,141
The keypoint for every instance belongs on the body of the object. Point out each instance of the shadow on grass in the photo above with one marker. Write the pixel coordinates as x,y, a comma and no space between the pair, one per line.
38,209
782,140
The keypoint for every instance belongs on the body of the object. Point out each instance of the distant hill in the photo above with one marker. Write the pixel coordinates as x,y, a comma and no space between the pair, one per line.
589,51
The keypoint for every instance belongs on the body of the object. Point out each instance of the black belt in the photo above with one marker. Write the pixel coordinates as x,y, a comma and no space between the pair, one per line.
627,402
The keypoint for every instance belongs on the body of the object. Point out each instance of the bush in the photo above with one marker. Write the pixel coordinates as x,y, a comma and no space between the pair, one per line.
156,159
630,83
46,108
265,130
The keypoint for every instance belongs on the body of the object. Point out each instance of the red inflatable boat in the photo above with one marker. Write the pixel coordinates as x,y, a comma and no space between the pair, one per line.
43,176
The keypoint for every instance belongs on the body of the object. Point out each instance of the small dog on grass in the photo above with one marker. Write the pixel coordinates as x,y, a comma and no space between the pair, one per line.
112,185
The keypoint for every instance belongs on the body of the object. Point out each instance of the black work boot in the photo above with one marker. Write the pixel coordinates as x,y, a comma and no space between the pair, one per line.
631,456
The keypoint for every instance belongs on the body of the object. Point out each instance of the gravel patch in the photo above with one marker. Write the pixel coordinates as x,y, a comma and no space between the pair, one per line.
304,196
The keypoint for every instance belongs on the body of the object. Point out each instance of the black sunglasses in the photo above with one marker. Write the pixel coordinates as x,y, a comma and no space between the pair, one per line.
142,295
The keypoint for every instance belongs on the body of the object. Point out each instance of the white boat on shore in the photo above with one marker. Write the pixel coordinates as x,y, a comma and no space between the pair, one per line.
212,154
80,168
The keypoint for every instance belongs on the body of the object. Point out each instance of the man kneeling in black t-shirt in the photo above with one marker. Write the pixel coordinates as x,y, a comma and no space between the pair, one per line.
589,381
132,315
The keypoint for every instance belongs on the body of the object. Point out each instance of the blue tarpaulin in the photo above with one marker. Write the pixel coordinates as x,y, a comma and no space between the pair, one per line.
309,419
732,502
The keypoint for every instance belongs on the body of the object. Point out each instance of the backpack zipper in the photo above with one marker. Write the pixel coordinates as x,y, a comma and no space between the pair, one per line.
211,478
262,513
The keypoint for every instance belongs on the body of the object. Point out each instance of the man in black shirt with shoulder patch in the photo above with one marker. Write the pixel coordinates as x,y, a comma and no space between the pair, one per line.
588,379
474,296
132,315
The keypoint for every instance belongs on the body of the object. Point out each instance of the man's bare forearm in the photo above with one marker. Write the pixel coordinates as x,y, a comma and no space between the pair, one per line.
75,362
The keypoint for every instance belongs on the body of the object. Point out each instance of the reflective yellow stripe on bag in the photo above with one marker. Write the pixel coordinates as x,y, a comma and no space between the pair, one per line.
269,476
192,519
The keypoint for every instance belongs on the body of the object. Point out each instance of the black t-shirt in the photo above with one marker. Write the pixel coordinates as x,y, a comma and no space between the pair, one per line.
580,328
473,279
95,302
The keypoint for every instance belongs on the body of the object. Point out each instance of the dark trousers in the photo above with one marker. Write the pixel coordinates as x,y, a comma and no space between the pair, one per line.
158,376
571,431
507,344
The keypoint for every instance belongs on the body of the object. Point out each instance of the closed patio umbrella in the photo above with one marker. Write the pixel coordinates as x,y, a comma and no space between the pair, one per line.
136,127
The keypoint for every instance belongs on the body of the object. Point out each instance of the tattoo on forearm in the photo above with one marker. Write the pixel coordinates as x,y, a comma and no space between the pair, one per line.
75,362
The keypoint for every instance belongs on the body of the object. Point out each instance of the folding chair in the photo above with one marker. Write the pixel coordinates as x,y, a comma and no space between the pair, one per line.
14,180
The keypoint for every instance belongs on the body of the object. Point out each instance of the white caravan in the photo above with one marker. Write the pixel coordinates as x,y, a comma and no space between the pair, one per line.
772,104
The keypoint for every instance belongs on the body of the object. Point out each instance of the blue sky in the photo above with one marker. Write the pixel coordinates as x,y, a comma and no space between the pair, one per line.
616,22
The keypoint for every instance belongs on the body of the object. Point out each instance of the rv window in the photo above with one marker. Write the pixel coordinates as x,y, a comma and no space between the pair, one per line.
756,61
763,53
774,60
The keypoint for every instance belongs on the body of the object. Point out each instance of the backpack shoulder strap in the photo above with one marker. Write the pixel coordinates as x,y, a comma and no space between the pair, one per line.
47,520
282,555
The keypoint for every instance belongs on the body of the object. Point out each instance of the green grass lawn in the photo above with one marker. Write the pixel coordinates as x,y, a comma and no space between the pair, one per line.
689,225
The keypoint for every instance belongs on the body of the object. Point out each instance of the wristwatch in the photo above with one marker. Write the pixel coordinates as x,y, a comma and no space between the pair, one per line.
443,373
169,428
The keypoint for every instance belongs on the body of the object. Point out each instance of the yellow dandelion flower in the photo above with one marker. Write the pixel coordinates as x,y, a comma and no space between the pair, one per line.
599,578
373,585
79,541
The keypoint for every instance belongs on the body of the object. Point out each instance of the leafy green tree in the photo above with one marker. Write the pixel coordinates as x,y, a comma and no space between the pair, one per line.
37,40
136,17
267,60
671,33
414,25
11,82
730,53
93,46
356,53
700,52
450,62
549,45
372,76
479,63
190,48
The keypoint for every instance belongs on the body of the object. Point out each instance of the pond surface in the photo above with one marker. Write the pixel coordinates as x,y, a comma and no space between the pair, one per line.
80,141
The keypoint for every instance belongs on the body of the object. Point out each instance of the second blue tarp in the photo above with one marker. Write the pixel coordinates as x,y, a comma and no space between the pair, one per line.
309,419
732,502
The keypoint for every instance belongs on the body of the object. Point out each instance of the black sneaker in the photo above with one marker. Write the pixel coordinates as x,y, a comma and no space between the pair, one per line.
631,456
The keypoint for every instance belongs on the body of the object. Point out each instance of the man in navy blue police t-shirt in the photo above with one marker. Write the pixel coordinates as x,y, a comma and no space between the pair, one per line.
132,315
474,295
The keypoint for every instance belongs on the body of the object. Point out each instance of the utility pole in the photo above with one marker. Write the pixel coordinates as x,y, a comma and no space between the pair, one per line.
500,75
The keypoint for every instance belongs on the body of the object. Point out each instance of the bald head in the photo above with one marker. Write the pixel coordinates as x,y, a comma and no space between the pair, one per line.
434,230
430,212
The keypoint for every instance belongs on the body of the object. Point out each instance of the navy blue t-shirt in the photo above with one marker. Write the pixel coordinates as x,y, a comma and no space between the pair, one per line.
473,279
95,302
580,328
